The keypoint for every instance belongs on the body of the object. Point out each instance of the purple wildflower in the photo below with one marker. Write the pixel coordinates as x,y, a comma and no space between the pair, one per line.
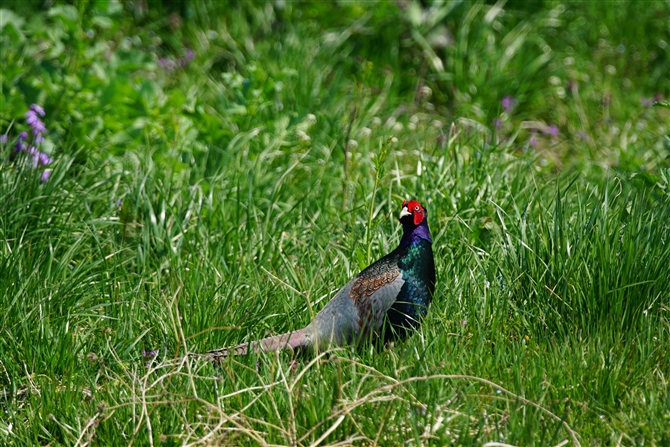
646,102
37,125
35,155
119,203
188,57
551,130
150,353
508,103
38,158
44,159
37,109
166,63
34,158
497,123
3,139
20,145
421,409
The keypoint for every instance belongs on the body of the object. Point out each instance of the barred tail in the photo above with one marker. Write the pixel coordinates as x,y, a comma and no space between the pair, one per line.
290,340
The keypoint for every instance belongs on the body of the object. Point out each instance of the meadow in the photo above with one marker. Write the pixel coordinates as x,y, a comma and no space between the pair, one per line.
182,176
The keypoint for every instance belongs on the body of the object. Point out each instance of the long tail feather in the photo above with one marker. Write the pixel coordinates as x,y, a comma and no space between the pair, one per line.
290,340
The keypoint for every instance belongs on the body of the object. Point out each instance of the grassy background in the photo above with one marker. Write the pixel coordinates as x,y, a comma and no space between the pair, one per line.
201,202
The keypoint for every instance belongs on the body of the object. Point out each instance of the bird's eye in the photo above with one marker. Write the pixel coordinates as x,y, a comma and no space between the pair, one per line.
416,208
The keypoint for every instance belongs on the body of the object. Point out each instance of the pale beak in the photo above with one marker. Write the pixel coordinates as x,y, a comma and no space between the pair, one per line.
404,213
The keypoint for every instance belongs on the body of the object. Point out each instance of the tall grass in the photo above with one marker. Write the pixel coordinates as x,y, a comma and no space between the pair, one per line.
203,206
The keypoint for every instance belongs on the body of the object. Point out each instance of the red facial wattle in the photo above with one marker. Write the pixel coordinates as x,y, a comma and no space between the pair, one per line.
417,211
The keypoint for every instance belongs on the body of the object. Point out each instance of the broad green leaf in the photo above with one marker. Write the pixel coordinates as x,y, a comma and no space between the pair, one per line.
11,25
7,17
102,22
67,13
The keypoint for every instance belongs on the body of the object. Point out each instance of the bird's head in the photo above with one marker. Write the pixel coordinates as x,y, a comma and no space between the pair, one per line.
412,213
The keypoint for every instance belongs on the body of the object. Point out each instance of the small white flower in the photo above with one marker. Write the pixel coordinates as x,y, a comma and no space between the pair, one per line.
437,124
352,145
330,38
425,92
437,64
394,141
376,121
397,127
411,127
310,119
303,138
364,133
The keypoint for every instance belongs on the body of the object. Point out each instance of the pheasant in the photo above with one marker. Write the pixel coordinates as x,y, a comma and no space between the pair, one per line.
383,302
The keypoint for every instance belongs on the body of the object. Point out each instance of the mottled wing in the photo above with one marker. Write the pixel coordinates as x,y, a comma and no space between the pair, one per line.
374,291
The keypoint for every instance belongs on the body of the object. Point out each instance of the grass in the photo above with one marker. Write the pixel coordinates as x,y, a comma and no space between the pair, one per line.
195,204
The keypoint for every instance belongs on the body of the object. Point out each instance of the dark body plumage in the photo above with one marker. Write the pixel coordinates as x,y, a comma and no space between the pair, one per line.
383,302
411,305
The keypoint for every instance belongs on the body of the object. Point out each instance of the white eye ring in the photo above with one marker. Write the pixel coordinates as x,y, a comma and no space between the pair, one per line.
416,208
